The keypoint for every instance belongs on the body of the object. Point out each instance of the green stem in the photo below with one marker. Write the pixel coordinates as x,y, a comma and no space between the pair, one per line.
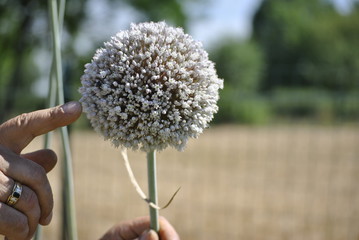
70,229
51,95
51,102
57,50
68,187
152,189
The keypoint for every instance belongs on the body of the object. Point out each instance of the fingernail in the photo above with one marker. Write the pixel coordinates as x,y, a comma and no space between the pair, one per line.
149,235
48,219
152,234
71,107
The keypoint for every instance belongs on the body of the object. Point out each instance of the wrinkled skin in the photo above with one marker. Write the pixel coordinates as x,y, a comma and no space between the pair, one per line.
138,228
35,204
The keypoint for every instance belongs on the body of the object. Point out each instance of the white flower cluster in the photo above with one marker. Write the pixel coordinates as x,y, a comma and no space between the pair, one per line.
150,87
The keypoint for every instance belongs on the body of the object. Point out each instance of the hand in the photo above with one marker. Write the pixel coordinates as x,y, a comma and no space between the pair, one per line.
35,204
139,229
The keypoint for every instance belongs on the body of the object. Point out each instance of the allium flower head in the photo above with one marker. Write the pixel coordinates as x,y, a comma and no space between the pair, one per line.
150,87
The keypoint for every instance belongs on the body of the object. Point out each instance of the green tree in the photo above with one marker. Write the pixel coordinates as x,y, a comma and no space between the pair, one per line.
20,36
24,30
157,10
307,43
240,63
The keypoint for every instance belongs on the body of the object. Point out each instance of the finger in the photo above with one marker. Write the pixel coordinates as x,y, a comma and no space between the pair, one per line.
18,132
128,230
32,175
167,232
149,235
27,204
46,158
13,224
132,229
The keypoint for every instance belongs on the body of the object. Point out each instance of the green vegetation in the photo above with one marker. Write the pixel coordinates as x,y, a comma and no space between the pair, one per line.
301,62
24,35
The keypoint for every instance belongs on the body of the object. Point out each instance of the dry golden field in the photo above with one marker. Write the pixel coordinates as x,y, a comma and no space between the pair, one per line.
245,183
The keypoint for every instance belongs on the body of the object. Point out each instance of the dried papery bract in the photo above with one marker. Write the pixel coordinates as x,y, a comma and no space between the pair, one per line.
150,87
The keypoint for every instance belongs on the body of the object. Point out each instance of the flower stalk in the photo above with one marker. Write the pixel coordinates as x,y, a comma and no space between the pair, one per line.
149,88
69,227
52,89
152,189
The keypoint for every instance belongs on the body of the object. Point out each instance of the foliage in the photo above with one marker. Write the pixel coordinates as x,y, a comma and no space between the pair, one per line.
239,63
316,105
301,62
303,104
308,43
288,105
158,10
243,107
24,31
307,67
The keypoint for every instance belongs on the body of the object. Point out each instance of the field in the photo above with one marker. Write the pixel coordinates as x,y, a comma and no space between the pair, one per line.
250,183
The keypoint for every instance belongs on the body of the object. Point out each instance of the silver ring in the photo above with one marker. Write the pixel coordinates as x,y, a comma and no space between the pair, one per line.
15,195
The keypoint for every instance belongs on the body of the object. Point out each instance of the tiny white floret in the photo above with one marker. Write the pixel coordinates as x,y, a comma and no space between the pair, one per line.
150,87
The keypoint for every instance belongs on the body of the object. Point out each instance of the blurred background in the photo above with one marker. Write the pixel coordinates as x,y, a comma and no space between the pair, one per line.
281,158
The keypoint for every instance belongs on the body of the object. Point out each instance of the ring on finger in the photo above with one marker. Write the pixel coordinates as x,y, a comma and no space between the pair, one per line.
15,195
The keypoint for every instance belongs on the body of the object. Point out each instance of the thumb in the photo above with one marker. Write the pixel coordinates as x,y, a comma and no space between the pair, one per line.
18,132
149,235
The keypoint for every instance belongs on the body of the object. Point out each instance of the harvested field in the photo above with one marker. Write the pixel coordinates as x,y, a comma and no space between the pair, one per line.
250,183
